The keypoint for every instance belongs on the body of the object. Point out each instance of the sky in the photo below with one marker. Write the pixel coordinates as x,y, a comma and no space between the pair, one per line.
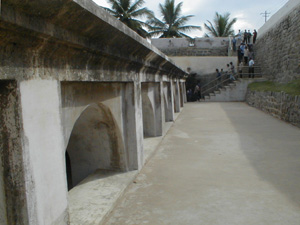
248,13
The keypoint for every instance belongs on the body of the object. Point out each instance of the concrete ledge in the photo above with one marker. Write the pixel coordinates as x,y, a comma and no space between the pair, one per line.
73,35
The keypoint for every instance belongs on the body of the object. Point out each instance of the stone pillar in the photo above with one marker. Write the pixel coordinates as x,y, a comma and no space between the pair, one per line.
176,96
133,122
152,113
44,152
184,92
168,101
158,109
162,105
181,93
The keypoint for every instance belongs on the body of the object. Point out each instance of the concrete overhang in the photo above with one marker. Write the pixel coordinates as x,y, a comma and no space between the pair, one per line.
82,25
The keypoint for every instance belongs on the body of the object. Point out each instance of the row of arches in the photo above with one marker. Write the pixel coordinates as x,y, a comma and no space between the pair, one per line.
96,141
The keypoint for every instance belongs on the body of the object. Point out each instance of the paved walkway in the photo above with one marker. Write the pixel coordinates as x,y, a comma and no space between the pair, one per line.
219,164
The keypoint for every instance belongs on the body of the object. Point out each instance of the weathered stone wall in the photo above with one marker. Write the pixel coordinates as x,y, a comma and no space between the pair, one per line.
277,50
13,202
278,104
192,51
194,47
204,66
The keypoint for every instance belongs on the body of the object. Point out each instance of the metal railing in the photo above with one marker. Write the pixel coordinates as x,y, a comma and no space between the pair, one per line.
224,79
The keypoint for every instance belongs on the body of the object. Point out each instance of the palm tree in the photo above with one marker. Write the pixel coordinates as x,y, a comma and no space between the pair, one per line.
127,11
222,26
172,24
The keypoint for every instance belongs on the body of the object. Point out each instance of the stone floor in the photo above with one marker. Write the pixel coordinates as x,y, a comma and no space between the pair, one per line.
219,164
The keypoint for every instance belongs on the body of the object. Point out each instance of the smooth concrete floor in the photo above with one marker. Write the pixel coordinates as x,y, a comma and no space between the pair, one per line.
219,164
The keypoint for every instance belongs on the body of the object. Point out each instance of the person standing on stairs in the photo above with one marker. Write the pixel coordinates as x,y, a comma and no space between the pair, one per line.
234,44
232,71
254,36
245,37
251,68
249,37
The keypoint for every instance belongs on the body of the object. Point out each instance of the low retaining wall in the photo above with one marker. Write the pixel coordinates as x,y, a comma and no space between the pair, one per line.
278,104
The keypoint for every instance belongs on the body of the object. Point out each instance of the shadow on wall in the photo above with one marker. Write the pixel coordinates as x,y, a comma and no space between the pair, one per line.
95,143
274,161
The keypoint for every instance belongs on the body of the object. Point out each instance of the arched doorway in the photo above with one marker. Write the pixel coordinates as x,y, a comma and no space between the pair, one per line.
95,143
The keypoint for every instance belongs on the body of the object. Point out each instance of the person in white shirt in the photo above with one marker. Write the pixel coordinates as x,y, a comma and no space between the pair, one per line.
251,68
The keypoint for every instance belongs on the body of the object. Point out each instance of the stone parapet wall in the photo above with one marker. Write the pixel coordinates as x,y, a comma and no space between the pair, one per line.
277,50
216,46
278,104
191,51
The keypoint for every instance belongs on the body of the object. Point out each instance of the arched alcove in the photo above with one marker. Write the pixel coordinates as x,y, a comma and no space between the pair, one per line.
95,143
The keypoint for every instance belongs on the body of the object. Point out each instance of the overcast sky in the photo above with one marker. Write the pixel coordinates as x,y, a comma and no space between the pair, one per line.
248,13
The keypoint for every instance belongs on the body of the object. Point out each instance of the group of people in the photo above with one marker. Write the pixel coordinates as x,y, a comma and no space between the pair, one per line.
245,51
245,41
245,58
229,73
246,36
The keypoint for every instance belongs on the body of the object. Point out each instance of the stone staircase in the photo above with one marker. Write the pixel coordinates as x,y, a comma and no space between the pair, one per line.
232,92
257,71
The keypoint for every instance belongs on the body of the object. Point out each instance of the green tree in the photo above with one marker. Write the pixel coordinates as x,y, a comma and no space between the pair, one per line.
128,11
172,23
222,26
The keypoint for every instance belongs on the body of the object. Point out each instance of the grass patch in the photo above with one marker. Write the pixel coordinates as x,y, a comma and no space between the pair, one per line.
291,88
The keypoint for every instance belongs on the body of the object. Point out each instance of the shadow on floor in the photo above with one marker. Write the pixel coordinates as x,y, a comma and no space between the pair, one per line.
271,146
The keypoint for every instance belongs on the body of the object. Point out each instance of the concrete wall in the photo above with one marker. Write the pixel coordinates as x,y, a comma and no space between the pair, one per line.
277,104
195,47
215,42
203,65
277,47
